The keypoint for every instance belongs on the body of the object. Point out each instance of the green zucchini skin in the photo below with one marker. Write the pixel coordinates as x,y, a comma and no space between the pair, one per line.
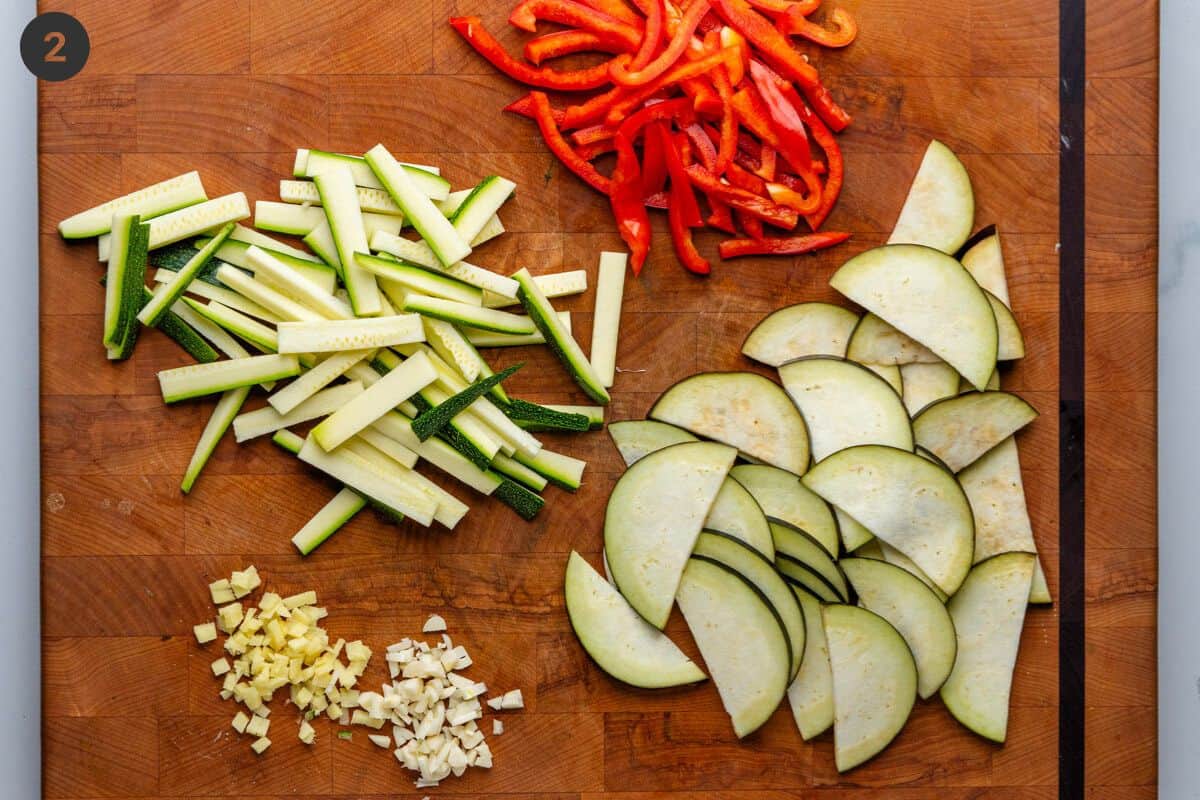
534,417
526,503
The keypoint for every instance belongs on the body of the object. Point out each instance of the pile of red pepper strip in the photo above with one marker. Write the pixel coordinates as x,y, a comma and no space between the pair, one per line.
699,96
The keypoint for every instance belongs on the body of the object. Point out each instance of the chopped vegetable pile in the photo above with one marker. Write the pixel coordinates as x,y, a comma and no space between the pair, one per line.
375,331
706,96
434,710
875,547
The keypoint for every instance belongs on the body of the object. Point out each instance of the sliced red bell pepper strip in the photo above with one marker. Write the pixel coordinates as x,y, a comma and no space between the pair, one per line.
625,194
704,96
732,40
770,43
753,226
744,179
793,245
651,37
632,99
787,196
617,10
767,163
588,152
681,234
721,217
683,200
801,7
564,43
727,142
703,147
654,163
760,207
471,29
680,39
844,32
793,139
754,117
592,133
660,200
628,207
523,106
710,22
591,110
828,143
561,149
823,103
528,13
678,108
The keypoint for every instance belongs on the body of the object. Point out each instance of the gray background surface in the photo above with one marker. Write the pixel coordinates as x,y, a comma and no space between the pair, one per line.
1179,433
20,726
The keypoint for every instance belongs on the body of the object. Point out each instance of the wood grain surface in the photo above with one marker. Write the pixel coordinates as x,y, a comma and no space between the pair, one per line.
231,87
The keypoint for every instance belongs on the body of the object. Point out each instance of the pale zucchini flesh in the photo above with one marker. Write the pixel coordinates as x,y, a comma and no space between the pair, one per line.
311,162
266,296
620,642
782,496
305,193
340,509
914,611
292,220
741,638
939,211
225,297
910,503
323,336
196,219
398,385
988,613
418,209
845,404
218,422
295,285
361,475
487,319
147,202
798,331
265,420
874,683
239,324
654,515
553,284
196,380
249,236
743,410
927,295
340,203
420,280
559,339
606,321
422,255
478,208
234,252
315,379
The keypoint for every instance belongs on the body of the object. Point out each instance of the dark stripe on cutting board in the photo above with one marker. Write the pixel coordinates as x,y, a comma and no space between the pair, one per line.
1071,88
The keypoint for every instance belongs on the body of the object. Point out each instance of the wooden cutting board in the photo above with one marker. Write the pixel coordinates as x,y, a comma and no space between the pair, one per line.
232,87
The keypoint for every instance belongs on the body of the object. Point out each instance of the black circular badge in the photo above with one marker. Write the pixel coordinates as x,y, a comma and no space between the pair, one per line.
55,46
